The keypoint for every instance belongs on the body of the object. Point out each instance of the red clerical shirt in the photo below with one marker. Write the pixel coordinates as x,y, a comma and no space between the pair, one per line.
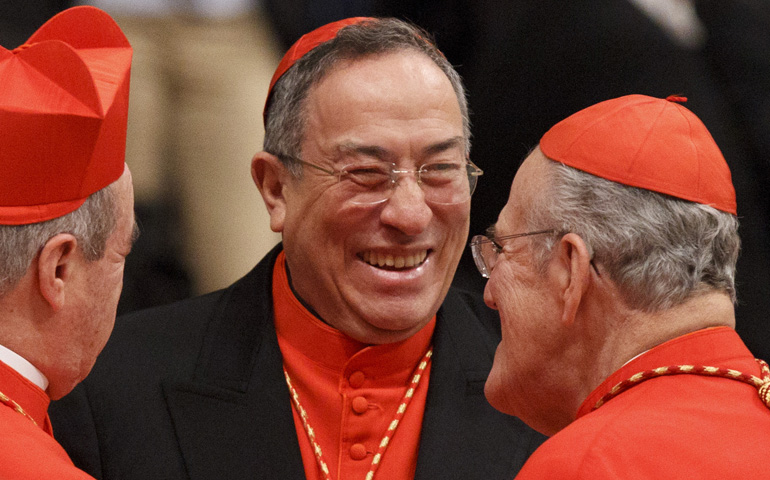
27,449
350,390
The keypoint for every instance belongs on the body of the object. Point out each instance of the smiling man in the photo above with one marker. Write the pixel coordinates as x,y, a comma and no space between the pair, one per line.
344,353
612,266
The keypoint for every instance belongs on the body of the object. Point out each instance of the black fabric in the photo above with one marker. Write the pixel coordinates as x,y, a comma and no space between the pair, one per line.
19,19
195,390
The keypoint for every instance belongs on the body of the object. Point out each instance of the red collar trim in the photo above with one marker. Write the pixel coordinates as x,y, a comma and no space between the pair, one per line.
718,347
29,396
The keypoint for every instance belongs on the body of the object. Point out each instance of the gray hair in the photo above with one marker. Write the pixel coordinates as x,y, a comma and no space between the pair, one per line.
286,116
658,249
92,224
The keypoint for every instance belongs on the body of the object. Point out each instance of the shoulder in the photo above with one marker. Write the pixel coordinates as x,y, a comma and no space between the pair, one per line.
583,450
626,434
167,340
185,321
159,332
26,452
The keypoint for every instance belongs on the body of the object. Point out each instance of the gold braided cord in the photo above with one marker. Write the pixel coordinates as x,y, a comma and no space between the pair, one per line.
9,401
761,384
308,429
386,439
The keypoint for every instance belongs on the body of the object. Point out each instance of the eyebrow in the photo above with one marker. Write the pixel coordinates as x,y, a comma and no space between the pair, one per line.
448,144
366,150
491,230
384,154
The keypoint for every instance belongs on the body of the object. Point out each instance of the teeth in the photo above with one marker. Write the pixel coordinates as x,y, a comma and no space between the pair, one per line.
394,261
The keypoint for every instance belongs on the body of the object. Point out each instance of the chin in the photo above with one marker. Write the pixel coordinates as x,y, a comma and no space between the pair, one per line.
56,391
494,390
401,312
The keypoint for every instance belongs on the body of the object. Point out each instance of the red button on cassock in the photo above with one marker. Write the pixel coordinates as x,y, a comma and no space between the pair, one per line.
357,379
357,451
360,405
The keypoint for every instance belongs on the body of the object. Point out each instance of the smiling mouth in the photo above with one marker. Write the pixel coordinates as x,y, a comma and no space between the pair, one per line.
394,262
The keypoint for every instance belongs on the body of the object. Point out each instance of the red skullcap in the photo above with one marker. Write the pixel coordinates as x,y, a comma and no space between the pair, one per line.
63,112
305,44
645,142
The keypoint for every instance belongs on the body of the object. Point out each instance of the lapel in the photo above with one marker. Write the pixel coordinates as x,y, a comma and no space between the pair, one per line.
234,419
462,435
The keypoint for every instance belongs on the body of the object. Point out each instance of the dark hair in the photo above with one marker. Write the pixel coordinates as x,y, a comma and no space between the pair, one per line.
286,116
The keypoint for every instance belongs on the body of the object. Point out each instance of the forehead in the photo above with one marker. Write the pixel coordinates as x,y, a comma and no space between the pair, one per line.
380,96
528,185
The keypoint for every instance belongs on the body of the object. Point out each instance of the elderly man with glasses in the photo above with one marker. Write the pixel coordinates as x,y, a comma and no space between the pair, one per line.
612,266
344,354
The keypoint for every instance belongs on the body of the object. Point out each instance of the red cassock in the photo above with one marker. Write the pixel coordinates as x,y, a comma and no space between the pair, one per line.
27,448
350,391
669,427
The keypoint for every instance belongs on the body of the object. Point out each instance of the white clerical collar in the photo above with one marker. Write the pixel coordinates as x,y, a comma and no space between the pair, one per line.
25,369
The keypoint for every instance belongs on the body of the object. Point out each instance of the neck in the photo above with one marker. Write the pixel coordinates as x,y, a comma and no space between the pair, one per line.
27,330
23,367
633,332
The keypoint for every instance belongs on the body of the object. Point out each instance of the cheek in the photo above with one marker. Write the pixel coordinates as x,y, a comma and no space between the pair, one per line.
520,305
504,291
456,217
453,224
322,218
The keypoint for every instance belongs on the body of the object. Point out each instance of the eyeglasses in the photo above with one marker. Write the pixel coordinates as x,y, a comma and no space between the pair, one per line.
443,183
486,248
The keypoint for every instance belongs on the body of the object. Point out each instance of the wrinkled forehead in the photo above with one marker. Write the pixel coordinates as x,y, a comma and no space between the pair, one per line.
388,99
529,185
342,65
531,178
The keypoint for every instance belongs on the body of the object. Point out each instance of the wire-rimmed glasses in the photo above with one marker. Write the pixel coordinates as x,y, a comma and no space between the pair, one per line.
486,248
443,183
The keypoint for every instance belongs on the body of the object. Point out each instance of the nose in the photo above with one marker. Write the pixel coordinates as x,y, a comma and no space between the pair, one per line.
488,298
406,209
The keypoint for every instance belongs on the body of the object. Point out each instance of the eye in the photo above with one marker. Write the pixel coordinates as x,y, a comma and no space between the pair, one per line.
370,175
441,173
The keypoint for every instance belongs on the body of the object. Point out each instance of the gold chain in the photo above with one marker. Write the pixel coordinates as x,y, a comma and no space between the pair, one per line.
416,377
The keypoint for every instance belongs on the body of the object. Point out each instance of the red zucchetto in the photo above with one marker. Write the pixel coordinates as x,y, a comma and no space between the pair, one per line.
645,142
63,115
305,44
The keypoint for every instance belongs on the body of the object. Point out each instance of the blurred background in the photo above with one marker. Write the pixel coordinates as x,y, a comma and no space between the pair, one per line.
201,70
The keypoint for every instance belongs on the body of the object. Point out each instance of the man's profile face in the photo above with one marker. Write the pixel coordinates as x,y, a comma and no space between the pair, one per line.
400,108
529,306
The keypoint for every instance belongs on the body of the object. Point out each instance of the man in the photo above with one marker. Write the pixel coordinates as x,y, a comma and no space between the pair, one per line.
612,266
66,224
341,355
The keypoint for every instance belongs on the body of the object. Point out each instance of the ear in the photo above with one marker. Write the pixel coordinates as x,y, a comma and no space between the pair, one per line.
270,177
574,263
56,266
